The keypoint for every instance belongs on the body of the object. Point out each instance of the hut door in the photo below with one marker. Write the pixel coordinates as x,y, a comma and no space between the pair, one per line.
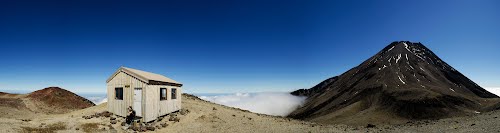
138,101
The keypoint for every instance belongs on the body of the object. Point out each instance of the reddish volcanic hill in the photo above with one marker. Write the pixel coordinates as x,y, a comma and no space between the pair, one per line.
51,100
404,81
60,98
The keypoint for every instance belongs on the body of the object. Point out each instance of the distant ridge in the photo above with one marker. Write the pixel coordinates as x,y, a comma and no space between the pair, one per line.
404,81
58,97
51,100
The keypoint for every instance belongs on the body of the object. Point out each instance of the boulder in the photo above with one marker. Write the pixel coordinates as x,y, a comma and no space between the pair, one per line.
172,118
106,114
370,126
164,124
151,128
184,111
113,122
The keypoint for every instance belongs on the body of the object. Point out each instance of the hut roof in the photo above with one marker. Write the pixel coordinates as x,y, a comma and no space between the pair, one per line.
148,77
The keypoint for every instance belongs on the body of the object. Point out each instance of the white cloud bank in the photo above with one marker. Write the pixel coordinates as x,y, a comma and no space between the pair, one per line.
271,103
98,99
102,101
495,91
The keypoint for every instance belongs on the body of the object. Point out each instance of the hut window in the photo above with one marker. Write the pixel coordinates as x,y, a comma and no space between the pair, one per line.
119,93
174,93
163,93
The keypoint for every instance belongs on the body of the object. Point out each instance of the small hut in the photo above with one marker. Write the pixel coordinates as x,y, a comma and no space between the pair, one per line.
150,95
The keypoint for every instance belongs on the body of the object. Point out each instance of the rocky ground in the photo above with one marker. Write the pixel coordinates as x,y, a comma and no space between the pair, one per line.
202,116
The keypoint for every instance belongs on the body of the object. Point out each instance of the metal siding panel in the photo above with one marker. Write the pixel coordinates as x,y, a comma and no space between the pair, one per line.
148,103
119,107
152,107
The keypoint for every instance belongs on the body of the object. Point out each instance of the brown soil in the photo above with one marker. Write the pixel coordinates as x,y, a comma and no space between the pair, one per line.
11,102
60,98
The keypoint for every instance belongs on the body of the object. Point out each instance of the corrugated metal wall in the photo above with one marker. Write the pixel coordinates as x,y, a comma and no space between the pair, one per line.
119,107
155,107
152,107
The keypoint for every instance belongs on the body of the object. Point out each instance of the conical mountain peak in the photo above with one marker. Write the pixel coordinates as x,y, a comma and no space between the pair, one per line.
405,79
406,47
408,53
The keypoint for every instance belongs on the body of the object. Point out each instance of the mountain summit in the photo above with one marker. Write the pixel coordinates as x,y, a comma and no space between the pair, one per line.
403,81
58,98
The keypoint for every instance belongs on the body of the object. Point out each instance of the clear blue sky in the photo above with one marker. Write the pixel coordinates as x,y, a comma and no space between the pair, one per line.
234,45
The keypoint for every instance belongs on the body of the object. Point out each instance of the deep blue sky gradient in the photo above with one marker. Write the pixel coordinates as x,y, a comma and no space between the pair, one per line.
234,45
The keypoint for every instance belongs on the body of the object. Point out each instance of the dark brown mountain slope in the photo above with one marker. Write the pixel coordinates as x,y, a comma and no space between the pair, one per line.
404,81
60,98
51,100
315,89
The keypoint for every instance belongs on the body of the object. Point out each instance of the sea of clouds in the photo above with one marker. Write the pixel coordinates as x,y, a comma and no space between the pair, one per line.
97,99
271,103
495,91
